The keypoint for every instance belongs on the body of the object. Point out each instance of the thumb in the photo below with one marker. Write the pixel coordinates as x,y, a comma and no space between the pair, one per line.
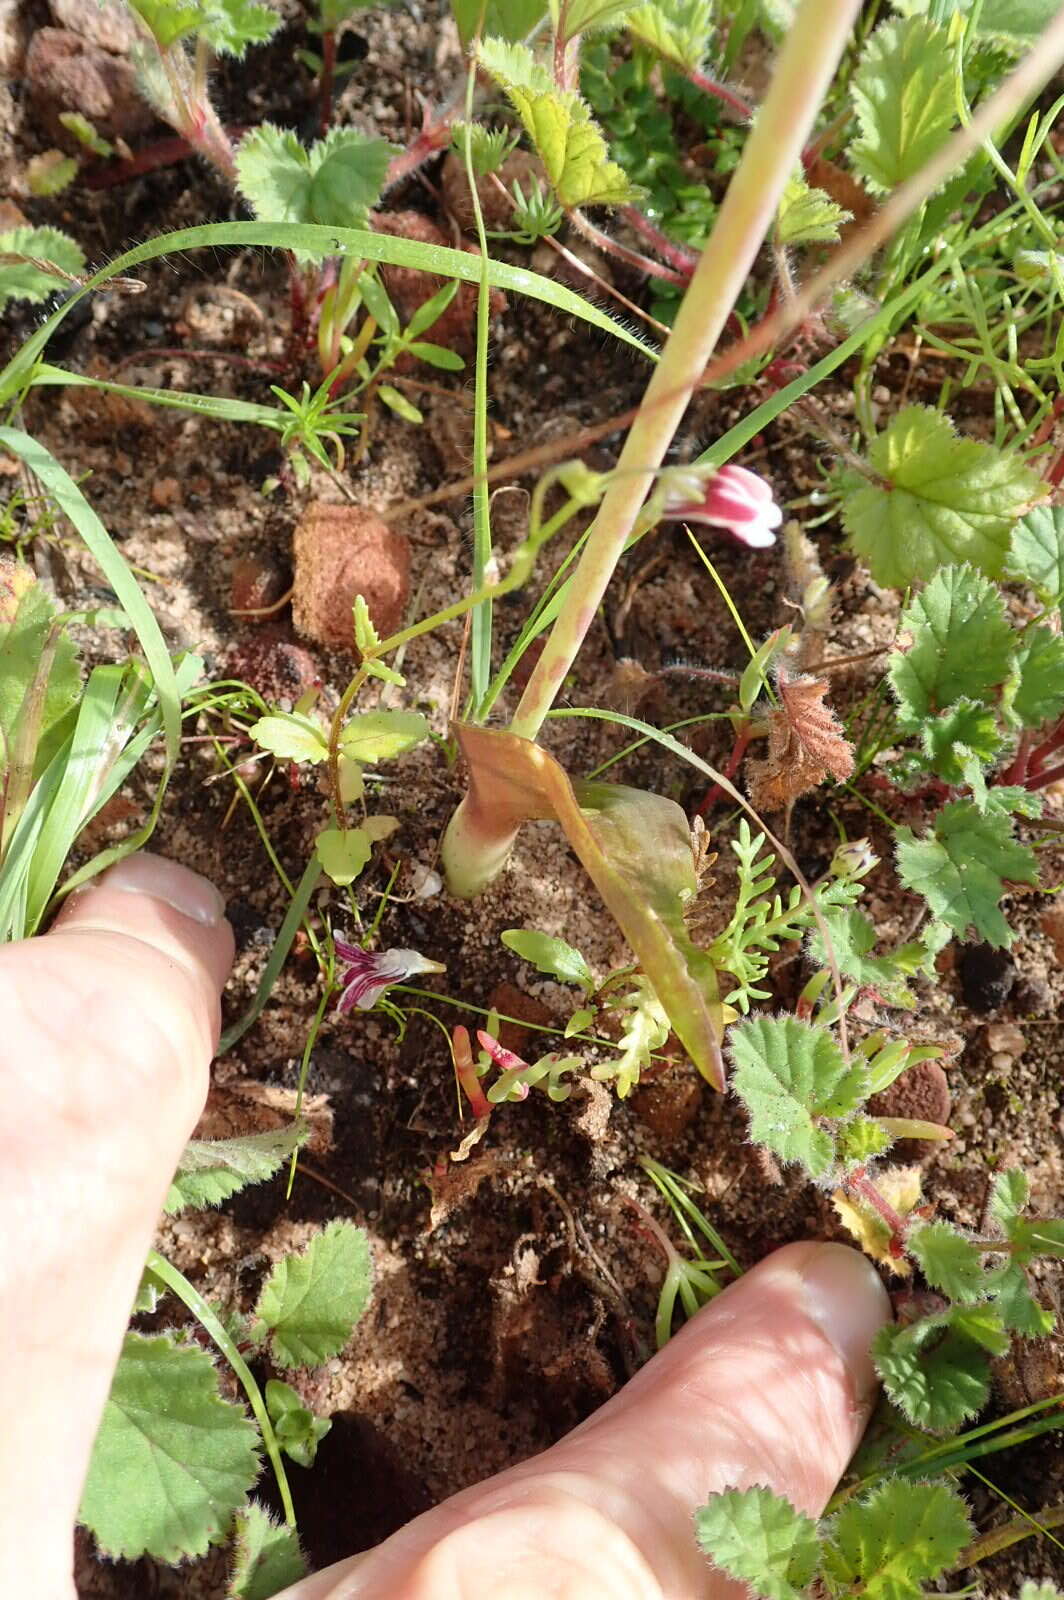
770,1384
110,1022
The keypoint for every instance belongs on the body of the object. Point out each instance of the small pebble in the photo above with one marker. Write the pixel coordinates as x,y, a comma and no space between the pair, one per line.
1005,1037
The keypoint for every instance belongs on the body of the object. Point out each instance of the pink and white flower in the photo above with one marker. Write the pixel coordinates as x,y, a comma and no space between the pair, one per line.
369,972
733,498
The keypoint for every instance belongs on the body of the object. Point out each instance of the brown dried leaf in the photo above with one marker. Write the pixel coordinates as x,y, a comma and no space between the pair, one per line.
805,744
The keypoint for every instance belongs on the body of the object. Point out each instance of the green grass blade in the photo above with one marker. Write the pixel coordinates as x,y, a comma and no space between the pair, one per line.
218,407
297,910
73,504
445,263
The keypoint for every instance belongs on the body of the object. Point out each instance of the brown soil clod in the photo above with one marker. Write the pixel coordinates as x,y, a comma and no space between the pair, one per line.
342,552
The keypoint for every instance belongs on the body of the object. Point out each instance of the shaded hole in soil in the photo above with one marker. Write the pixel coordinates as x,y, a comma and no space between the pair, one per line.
357,1493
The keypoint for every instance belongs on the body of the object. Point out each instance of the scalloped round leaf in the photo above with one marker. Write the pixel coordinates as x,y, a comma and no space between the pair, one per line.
311,1301
949,1261
936,1371
962,866
172,1460
891,1542
941,499
788,1074
962,646
1036,552
758,1537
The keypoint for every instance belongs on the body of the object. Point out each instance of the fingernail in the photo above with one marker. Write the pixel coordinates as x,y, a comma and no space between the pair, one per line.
144,873
843,1295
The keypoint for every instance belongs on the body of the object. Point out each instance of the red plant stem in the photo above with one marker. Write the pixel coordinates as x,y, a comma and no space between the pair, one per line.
1016,771
434,137
1044,431
608,246
1048,746
325,86
683,260
720,91
1044,779
742,740
162,153
861,1184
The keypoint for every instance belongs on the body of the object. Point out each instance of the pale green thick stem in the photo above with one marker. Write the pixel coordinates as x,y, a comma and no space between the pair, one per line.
476,845
804,71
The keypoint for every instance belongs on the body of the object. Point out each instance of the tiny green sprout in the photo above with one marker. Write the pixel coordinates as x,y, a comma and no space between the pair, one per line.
536,215
488,147
690,1280
317,420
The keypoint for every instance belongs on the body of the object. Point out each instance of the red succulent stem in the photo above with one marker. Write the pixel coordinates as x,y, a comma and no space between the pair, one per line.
325,85
1048,747
161,153
466,1073
1016,771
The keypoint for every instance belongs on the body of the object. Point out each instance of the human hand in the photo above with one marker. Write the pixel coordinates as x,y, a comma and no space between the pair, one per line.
110,1023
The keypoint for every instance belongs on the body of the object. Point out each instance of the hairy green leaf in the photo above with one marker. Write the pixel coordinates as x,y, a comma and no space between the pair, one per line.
266,1556
1017,1307
903,96
961,868
936,1370
550,955
807,215
21,280
788,1075
374,736
573,17
228,26
902,1535
571,147
962,646
941,499
1036,552
1038,696
949,1261
210,1170
310,1302
951,740
862,1140
1015,22
509,20
172,1460
853,938
335,182
759,1538
679,30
